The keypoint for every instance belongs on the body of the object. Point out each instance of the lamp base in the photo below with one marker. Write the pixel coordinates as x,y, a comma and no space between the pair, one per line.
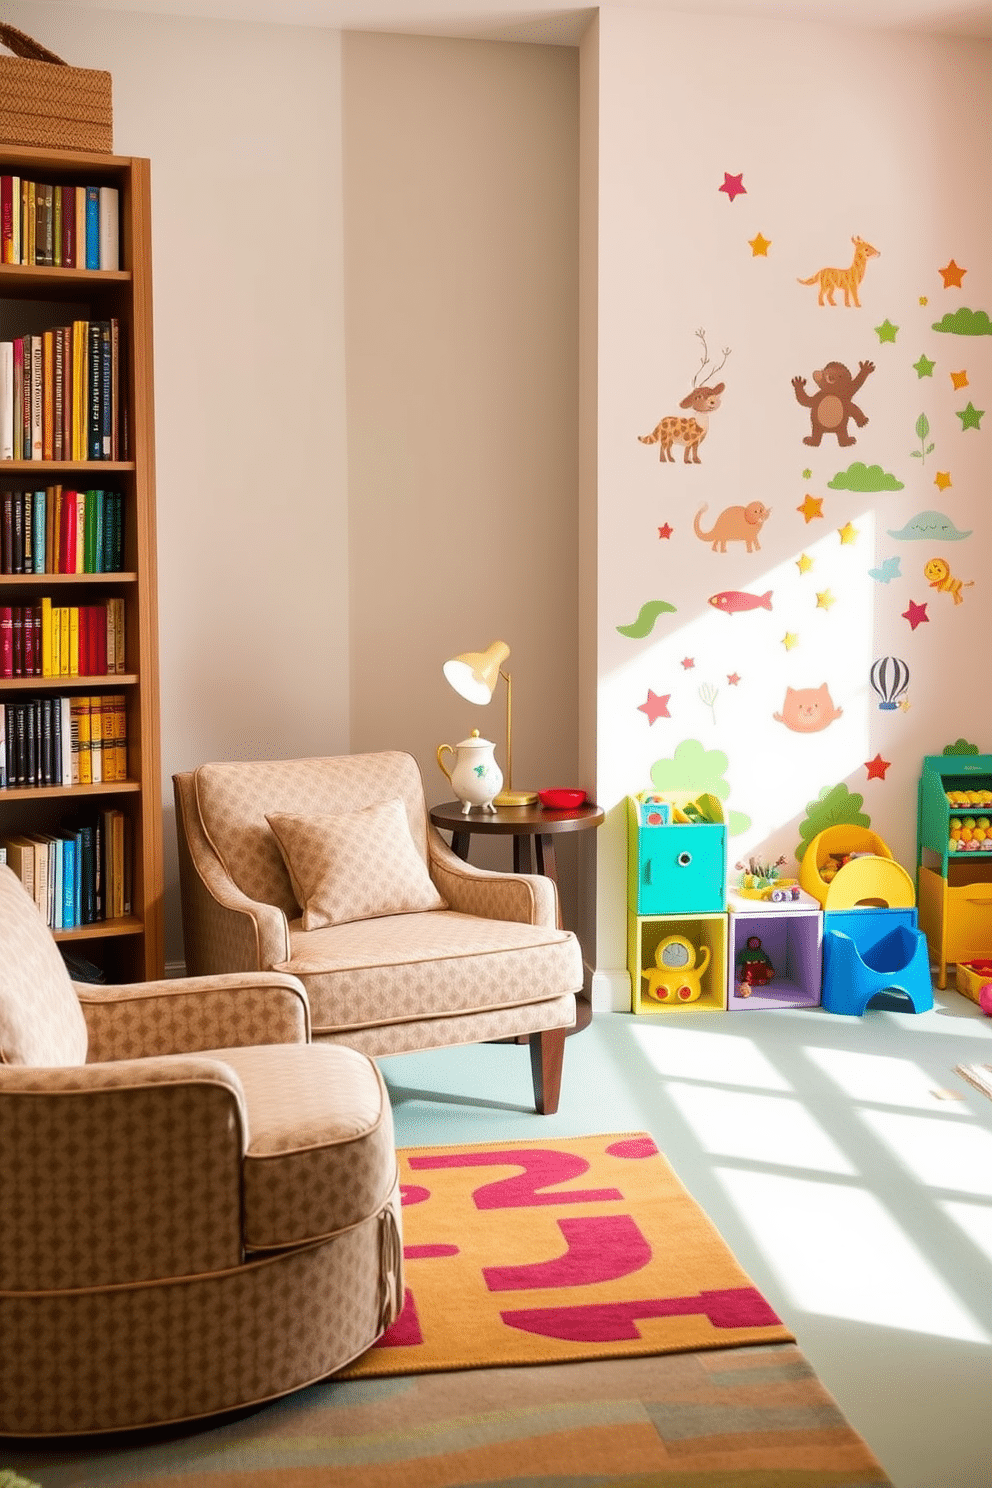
515,798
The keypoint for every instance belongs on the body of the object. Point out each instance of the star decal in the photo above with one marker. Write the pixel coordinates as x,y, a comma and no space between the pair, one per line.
759,246
733,678
807,474
905,704
847,534
877,767
971,417
889,569
942,480
688,663
733,185
811,507
655,706
924,367
916,614
665,531
959,380
790,639
804,563
924,300
886,331
825,599
952,274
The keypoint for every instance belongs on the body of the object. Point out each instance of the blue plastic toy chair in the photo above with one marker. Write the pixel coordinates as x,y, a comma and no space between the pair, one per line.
897,963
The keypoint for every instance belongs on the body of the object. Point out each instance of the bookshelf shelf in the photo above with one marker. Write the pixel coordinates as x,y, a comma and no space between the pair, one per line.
35,299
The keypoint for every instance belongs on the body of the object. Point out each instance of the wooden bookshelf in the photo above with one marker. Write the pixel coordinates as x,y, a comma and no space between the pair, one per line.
36,297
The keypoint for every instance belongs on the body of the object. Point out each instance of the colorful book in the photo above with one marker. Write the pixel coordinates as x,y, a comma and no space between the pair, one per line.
109,229
10,218
6,400
92,227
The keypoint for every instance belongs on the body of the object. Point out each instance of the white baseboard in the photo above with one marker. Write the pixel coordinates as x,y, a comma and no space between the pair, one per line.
611,991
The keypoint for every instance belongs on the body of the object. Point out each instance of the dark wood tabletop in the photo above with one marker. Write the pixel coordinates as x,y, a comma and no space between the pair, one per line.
529,821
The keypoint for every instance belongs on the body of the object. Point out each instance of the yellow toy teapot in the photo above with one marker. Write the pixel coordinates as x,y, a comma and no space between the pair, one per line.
677,978
475,777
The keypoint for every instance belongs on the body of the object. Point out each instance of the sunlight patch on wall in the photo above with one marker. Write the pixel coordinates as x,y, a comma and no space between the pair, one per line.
809,1233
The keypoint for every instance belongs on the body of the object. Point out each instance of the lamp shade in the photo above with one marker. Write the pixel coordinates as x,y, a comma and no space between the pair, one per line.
474,674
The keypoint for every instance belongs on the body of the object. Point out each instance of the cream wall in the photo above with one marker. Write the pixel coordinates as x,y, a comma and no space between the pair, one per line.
835,133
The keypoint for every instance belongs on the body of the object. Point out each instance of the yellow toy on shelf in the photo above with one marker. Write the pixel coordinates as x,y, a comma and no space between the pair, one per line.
676,977
847,866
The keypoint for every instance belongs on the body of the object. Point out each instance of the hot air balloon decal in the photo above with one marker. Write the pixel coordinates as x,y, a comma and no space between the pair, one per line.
889,679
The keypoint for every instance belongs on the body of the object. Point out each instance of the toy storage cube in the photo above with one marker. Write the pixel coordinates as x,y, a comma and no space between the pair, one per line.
972,977
675,869
697,959
791,935
956,912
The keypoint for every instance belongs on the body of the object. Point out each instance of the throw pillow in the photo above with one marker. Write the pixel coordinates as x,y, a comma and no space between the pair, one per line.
356,865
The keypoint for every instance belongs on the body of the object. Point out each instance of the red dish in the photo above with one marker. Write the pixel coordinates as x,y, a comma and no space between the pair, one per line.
561,799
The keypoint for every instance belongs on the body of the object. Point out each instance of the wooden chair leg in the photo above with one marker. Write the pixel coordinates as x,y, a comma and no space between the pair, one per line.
547,1051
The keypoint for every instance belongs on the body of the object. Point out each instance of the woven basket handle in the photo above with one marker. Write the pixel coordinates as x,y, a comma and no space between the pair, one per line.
23,45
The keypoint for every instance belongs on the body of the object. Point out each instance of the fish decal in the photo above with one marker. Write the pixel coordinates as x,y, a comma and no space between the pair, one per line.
733,601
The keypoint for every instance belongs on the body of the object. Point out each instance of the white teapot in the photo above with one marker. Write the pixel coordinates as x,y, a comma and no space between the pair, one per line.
475,778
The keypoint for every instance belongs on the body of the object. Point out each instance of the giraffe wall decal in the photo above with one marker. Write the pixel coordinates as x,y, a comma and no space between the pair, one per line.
846,280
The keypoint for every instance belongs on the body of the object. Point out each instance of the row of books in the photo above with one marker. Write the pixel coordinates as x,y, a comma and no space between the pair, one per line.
75,739
59,226
50,640
61,531
60,394
80,874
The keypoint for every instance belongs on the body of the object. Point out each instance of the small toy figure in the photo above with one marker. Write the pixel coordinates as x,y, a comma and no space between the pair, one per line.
760,879
677,978
754,967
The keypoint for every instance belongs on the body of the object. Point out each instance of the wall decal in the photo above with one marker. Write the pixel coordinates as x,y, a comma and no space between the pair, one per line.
922,429
688,662
833,404
696,771
886,331
655,706
733,679
971,417
733,185
808,710
959,380
942,480
924,367
790,640
877,767
703,399
847,280
735,601
889,678
952,274
961,746
926,526
759,246
734,524
938,575
861,477
916,614
666,531
888,570
804,563
847,534
811,508
825,599
834,807
807,474
709,694
964,322
644,624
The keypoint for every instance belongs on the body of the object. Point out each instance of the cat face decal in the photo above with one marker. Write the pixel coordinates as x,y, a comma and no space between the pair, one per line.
807,710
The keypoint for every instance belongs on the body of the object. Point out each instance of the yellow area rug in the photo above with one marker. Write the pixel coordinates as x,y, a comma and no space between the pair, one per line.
555,1251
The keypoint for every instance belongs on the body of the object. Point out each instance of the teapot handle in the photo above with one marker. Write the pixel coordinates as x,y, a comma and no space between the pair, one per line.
441,749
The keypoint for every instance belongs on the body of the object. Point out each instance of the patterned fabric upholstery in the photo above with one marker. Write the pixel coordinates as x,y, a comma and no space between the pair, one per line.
40,1018
183,1232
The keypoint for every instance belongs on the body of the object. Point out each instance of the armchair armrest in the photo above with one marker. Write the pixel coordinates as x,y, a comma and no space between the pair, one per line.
120,1173
186,1014
530,898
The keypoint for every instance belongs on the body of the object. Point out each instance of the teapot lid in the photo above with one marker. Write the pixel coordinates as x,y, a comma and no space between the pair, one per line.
475,741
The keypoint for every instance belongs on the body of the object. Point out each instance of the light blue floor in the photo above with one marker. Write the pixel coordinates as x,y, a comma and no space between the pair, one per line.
845,1163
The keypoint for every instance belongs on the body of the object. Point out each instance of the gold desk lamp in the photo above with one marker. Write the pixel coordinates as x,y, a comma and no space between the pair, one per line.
474,675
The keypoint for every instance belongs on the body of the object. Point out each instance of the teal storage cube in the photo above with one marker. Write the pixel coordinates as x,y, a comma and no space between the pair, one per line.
677,869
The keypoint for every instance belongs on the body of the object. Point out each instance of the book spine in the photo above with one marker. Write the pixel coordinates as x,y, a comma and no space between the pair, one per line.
68,227
81,234
96,740
6,641
80,532
109,229
40,533
94,444
106,391
37,399
26,400
68,882
115,388
58,379
10,212
92,227
17,408
3,752
48,395
7,533
6,400
57,226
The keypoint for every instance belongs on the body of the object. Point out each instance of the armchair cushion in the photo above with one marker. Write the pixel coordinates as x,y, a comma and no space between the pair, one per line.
354,865
41,1022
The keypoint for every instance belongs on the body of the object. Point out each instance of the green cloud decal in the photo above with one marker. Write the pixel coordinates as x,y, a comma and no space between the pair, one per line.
862,477
965,322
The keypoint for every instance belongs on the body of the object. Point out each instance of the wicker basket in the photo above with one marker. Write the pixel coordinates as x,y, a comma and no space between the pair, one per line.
46,103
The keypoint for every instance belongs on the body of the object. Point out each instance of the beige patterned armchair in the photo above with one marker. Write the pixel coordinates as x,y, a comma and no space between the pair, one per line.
200,1208
329,869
